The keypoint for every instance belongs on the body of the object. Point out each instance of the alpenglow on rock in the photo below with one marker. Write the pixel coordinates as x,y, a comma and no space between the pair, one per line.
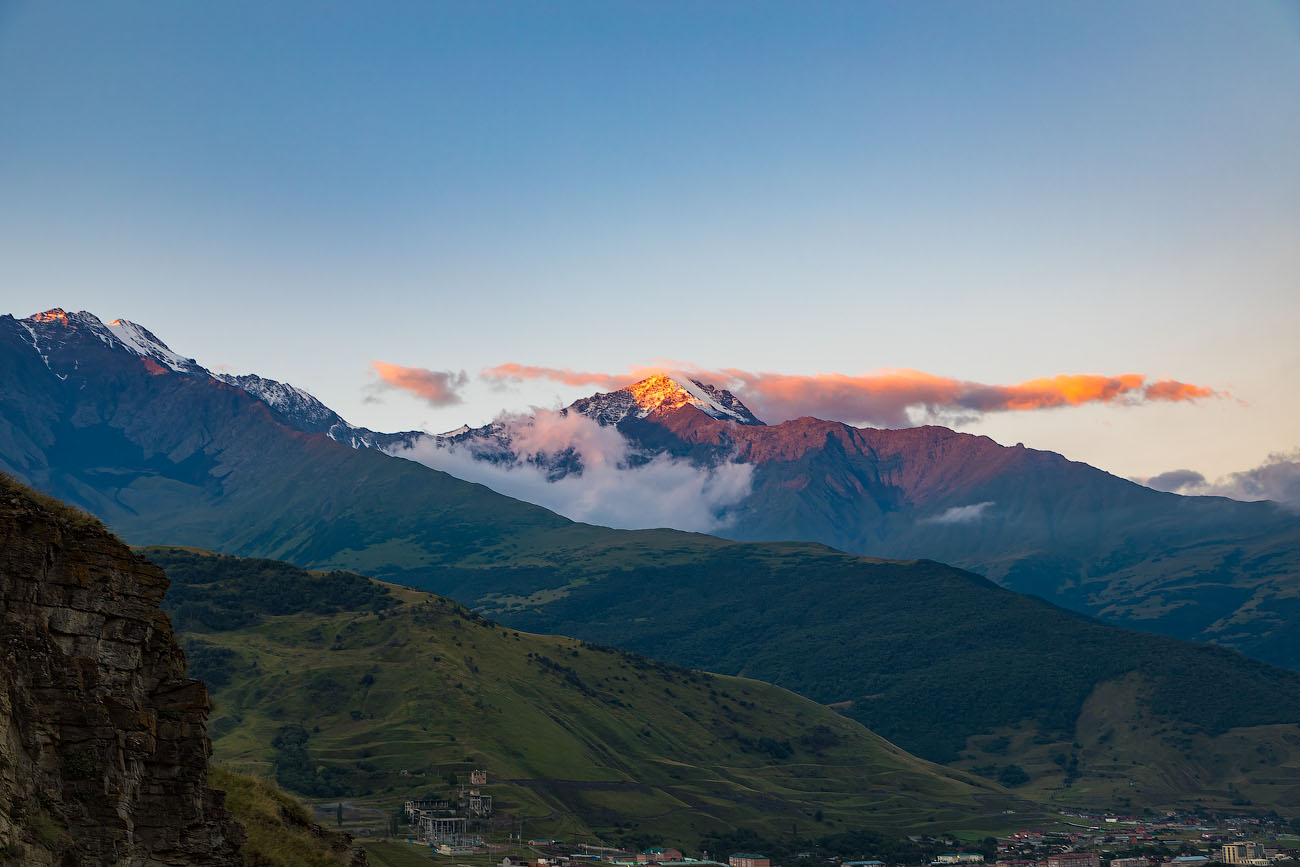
661,393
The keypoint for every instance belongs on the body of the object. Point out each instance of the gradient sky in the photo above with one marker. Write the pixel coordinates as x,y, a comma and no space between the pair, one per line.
993,191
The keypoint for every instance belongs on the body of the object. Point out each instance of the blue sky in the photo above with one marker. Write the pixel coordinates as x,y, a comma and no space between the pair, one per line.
987,191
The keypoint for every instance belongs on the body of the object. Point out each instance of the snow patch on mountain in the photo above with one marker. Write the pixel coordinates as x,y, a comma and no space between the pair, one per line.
144,343
306,411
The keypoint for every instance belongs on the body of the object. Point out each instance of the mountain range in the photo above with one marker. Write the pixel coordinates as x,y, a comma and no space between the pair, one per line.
939,660
1201,568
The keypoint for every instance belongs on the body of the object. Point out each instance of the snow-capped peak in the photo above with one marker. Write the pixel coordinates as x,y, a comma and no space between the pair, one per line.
52,330
54,318
661,392
307,412
144,343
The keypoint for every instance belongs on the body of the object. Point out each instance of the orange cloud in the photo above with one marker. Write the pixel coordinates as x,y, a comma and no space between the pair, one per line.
1172,389
435,387
520,372
888,397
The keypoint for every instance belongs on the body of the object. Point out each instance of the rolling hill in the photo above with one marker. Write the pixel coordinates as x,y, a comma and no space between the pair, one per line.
338,686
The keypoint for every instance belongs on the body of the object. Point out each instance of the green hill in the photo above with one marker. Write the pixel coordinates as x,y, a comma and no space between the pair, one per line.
360,690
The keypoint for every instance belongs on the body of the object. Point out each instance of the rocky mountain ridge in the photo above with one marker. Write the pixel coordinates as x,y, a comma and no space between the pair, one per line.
52,333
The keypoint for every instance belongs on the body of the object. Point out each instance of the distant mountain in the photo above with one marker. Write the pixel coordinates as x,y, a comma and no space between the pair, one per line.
57,334
1202,568
938,660
305,413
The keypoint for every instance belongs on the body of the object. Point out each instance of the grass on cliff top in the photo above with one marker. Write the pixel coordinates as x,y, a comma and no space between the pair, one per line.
387,854
70,516
278,826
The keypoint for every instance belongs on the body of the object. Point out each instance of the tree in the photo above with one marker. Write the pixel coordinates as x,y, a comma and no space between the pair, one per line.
1013,775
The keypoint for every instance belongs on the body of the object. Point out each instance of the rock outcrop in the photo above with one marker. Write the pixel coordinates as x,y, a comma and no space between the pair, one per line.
103,747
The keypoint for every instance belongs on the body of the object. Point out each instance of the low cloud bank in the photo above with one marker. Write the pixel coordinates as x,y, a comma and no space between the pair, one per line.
1277,479
617,486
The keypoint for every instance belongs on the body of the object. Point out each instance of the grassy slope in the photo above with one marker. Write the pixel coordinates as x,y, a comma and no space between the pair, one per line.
1178,742
583,740
279,827
1127,756
924,654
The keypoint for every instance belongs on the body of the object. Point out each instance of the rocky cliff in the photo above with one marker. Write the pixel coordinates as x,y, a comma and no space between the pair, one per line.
103,750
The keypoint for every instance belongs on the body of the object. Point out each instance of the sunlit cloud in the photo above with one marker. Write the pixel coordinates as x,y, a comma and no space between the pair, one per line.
521,372
1172,389
434,387
890,397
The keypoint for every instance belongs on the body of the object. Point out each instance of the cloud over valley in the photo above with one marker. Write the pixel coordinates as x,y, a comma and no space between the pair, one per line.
588,472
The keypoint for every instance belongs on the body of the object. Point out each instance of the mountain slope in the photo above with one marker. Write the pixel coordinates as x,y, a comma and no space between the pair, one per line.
576,738
1203,568
170,457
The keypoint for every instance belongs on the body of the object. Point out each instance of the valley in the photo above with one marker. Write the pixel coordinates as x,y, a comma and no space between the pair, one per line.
644,434
1016,697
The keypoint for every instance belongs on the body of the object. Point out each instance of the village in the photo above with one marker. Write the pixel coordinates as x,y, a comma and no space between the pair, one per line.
457,827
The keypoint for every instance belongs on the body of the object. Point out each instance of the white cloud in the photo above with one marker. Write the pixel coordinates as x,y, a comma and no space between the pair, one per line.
617,487
961,514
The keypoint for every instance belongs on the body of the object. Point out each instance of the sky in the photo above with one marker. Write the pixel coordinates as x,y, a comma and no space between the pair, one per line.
988,194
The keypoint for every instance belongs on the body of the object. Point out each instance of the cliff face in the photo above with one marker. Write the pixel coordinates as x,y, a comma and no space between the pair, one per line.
103,749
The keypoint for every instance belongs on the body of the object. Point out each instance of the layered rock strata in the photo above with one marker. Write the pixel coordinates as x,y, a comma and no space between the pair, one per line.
103,748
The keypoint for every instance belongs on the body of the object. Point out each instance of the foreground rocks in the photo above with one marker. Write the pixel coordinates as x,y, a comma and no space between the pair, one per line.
103,750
